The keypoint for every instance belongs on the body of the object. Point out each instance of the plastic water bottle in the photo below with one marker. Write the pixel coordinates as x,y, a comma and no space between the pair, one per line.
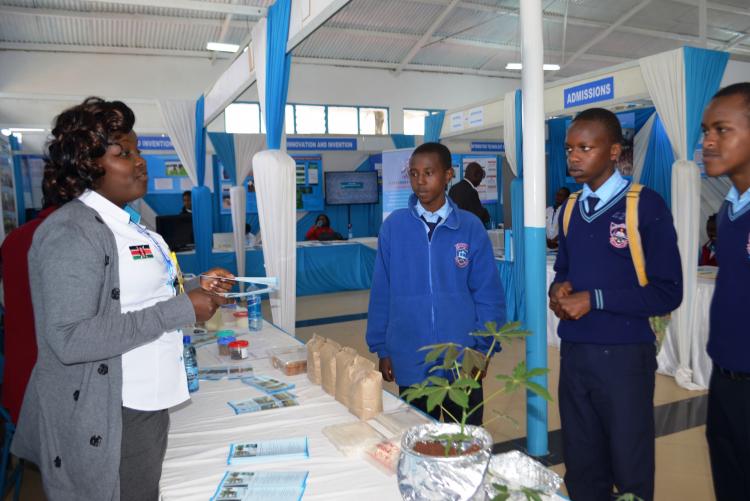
191,364
351,233
254,315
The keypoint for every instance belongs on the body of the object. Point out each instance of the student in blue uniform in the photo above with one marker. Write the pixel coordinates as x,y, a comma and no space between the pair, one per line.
608,355
726,151
435,279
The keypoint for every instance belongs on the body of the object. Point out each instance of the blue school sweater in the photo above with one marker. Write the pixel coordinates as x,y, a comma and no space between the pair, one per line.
594,256
729,336
426,292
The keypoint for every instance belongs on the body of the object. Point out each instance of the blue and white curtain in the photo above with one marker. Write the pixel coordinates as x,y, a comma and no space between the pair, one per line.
433,124
681,82
514,155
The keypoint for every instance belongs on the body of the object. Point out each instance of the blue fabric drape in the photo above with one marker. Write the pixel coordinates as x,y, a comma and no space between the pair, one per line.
557,160
18,187
657,166
433,124
704,70
224,146
403,141
278,63
519,133
518,295
202,214
641,116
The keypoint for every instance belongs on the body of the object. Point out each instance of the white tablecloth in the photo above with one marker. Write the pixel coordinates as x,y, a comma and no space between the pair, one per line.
202,430
700,363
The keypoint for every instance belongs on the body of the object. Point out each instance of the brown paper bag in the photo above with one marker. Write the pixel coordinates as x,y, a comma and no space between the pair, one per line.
313,358
366,396
345,375
328,366
344,361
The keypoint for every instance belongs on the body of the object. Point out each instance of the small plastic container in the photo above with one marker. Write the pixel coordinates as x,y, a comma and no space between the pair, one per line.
291,361
238,350
223,344
225,333
240,319
227,313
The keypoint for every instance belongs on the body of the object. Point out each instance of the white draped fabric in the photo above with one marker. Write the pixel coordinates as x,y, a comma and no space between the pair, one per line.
664,75
245,147
179,120
509,130
274,173
640,147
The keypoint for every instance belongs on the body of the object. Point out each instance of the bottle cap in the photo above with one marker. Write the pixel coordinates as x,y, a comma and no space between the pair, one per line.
225,333
185,339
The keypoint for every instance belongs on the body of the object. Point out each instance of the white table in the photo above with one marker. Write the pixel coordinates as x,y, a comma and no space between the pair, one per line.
700,363
201,431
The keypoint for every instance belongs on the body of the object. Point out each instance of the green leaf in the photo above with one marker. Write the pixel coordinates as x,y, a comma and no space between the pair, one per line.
466,383
438,381
532,494
501,491
539,390
434,354
436,398
451,354
459,397
537,371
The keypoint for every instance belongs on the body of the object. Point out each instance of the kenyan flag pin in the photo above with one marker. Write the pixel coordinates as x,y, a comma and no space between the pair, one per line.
141,252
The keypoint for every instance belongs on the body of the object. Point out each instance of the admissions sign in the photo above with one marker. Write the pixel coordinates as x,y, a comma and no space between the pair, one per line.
591,92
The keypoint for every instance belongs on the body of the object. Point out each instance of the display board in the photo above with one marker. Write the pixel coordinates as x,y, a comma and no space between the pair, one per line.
309,185
347,188
7,189
396,186
166,174
488,187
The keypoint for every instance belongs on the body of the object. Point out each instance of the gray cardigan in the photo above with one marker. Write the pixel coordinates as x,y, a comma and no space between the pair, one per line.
71,420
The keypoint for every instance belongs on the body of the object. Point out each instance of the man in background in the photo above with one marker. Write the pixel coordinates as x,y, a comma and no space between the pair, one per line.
553,216
465,194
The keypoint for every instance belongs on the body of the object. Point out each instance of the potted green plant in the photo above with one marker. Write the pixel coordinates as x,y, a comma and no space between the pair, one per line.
449,460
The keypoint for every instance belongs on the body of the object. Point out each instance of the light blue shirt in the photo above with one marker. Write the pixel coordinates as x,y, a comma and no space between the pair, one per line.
738,201
432,217
606,191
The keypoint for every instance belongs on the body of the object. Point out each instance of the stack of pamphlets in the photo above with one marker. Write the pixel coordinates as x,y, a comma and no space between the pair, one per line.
268,450
264,403
267,384
265,485
224,372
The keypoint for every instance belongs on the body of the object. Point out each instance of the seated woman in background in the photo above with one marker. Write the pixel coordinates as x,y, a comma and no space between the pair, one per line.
321,230
708,251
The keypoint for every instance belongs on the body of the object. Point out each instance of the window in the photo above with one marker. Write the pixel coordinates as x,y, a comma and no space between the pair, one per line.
310,119
242,118
289,119
342,120
373,121
414,122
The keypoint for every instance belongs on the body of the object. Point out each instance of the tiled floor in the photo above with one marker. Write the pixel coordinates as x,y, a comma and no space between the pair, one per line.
682,466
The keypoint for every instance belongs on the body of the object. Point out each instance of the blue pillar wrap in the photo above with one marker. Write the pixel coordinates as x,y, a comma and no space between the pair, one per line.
704,70
536,345
18,181
202,216
519,257
519,132
224,146
433,124
557,167
278,63
202,226
403,141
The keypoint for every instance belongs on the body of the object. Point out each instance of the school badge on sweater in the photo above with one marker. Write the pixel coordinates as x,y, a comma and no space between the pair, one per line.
138,252
462,254
618,235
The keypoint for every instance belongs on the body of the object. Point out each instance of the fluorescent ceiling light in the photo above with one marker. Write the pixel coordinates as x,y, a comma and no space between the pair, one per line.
545,67
222,47
24,129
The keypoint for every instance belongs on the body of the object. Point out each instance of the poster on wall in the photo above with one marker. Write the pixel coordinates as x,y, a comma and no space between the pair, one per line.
488,187
166,175
7,189
396,186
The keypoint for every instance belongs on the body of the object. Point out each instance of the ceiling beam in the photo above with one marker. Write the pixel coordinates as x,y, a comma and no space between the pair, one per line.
223,31
719,7
89,49
426,36
604,34
735,41
195,5
118,16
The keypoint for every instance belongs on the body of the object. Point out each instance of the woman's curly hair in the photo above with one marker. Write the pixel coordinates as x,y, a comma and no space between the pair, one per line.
80,136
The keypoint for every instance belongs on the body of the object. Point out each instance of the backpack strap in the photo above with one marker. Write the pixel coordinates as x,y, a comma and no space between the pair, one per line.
634,236
569,206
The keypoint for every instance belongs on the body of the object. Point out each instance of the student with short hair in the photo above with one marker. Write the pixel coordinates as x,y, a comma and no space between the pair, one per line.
726,151
608,353
435,279
552,216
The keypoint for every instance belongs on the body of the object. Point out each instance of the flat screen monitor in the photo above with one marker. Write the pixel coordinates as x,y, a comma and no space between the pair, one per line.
177,231
345,188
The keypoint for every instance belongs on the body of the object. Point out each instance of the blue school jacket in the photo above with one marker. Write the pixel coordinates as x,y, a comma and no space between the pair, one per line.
426,292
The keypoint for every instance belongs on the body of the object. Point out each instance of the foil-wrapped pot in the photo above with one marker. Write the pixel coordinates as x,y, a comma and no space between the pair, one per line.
449,478
516,470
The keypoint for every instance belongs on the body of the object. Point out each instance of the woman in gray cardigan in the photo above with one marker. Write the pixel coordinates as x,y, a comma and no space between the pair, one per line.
73,423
